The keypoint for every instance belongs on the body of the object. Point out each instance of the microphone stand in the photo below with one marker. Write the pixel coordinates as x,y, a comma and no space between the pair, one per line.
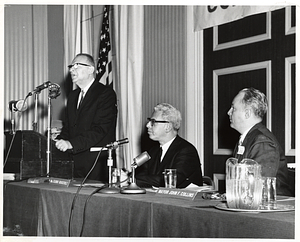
34,123
133,188
48,152
53,92
110,189
13,125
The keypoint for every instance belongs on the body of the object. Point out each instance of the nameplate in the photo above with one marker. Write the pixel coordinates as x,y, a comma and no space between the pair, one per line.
9,176
177,193
37,180
60,181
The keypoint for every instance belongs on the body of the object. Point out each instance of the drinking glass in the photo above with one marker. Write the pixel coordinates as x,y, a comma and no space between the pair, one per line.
170,178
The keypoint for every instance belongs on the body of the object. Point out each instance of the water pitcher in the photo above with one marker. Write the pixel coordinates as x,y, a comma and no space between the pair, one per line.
243,184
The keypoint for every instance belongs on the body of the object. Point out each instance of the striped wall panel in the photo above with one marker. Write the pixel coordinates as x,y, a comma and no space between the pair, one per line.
165,58
25,63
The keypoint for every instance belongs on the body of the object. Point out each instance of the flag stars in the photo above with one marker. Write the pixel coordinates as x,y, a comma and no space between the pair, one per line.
104,72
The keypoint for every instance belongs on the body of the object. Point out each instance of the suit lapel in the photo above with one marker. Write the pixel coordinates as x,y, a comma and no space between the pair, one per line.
245,144
88,96
155,160
168,156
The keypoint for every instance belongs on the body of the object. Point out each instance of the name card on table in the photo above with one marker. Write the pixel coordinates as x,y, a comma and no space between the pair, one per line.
179,193
50,180
60,181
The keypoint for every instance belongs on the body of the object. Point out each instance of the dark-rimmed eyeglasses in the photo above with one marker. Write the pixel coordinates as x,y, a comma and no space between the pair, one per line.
75,65
153,121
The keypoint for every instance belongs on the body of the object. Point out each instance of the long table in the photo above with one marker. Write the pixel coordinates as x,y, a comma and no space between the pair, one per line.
44,210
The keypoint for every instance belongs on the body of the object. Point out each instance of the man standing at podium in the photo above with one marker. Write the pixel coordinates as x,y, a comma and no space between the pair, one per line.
90,120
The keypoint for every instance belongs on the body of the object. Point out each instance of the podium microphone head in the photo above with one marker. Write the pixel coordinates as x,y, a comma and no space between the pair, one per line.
54,90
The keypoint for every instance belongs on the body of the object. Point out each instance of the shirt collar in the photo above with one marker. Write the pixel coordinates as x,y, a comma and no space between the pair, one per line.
165,147
242,137
86,88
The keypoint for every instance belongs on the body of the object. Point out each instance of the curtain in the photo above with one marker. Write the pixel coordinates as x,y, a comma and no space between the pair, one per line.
26,64
77,29
128,45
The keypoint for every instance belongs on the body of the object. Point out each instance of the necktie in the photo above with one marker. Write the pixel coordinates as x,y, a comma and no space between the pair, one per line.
240,140
159,154
81,95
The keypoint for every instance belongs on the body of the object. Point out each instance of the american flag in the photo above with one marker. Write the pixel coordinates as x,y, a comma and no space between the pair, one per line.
104,64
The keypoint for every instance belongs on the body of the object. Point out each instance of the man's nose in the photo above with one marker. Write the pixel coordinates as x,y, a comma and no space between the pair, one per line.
229,112
148,124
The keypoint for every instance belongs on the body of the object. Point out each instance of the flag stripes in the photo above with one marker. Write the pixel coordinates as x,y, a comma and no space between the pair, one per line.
104,63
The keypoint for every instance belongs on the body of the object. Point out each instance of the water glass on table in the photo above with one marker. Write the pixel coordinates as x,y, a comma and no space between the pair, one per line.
115,177
269,193
170,178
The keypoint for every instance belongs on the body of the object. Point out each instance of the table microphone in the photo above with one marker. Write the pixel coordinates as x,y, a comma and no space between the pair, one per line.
137,161
140,159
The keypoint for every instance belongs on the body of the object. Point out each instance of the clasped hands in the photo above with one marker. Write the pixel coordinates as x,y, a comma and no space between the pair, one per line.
63,145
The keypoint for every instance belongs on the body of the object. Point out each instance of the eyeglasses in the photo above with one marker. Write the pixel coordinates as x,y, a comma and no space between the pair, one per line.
75,65
153,121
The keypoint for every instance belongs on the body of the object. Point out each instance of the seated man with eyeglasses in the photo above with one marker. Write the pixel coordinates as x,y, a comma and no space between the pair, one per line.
171,151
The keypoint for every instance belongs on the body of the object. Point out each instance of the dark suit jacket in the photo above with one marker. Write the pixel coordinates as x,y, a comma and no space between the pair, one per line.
92,125
262,146
181,155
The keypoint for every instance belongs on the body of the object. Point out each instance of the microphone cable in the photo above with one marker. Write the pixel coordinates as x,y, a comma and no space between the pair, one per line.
94,192
77,193
84,209
14,135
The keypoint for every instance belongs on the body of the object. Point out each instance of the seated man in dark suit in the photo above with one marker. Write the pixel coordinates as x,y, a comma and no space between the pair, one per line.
177,153
257,142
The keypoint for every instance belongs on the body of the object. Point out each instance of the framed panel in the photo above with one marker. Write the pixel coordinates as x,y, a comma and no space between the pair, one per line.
256,37
217,178
290,19
290,72
227,82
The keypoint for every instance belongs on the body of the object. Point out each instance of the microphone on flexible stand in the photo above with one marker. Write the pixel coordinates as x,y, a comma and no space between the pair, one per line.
113,145
39,88
117,143
133,188
16,106
19,105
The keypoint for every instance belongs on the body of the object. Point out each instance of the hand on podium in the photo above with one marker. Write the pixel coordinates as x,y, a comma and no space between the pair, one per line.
63,145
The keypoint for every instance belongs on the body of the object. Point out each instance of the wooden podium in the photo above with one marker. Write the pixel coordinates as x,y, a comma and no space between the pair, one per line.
27,157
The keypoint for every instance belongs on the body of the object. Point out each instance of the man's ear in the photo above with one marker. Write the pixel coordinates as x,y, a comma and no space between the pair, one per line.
91,69
168,127
248,113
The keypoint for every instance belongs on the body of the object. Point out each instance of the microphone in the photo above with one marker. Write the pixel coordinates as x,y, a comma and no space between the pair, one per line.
54,90
133,188
115,144
39,88
19,105
140,159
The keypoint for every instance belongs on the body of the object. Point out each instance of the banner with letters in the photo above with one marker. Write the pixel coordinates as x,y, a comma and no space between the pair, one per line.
208,16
